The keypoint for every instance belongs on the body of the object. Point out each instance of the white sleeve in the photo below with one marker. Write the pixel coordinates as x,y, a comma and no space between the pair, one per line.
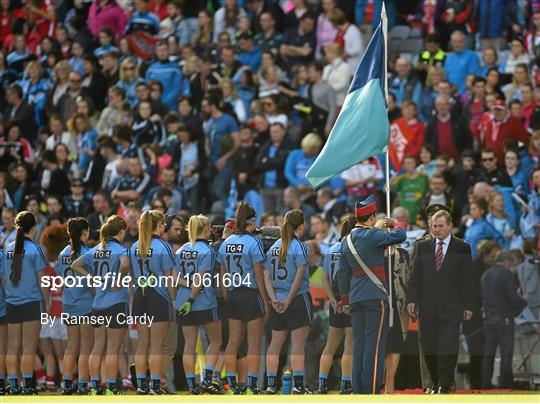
354,46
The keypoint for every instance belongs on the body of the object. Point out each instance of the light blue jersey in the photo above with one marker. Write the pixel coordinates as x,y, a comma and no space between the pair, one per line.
77,300
27,289
98,263
283,275
331,267
159,259
199,259
2,287
239,254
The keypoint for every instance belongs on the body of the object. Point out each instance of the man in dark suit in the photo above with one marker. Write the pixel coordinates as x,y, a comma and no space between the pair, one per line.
441,295
20,112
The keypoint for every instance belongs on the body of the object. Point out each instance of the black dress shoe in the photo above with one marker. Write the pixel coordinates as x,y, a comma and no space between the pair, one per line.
445,390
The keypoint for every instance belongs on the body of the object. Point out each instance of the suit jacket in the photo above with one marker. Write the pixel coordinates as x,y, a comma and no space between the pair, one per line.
448,292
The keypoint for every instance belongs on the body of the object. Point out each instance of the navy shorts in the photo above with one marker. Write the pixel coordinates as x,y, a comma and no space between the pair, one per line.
152,304
244,304
339,320
298,314
113,312
22,313
3,320
199,317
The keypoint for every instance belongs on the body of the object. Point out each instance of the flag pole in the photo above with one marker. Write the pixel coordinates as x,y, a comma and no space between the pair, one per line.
384,21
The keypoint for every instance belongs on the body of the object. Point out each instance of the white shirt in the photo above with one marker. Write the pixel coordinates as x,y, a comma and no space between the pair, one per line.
445,242
338,75
354,46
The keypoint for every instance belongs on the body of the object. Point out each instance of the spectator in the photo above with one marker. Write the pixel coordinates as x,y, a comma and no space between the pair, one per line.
80,128
168,182
20,112
110,67
270,165
438,194
292,200
103,209
54,179
35,90
326,32
299,43
300,160
498,218
410,188
495,131
435,76
273,112
111,115
71,168
446,133
520,182
337,73
405,85
493,17
77,203
294,17
8,231
490,61
204,34
260,7
362,180
168,74
132,186
348,37
478,228
14,147
232,100
520,77
221,133
248,53
142,19
226,17
330,207
268,39
490,172
322,99
106,42
460,62
106,14
518,57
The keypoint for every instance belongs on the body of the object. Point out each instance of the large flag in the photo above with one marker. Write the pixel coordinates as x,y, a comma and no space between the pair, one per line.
362,129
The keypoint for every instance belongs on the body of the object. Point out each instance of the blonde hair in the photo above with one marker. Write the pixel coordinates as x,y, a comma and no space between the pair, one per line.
226,80
196,225
292,221
125,62
32,64
148,222
335,48
114,225
311,141
63,65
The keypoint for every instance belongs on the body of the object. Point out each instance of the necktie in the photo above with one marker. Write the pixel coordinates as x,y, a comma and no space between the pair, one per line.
439,256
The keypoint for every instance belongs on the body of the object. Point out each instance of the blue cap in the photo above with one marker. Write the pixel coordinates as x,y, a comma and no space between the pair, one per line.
366,207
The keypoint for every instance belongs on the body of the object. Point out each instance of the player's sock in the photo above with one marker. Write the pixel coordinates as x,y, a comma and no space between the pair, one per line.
68,382
13,381
141,381
190,379
323,381
252,380
208,372
346,382
96,382
231,379
156,382
111,384
271,379
298,376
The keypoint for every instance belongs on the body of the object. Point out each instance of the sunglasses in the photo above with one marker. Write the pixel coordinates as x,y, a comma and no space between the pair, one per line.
129,68
488,159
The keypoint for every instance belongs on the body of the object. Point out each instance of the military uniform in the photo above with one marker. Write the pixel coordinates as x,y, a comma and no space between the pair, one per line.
367,301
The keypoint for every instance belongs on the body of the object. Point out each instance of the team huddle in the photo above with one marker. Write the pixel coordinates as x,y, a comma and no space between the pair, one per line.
232,305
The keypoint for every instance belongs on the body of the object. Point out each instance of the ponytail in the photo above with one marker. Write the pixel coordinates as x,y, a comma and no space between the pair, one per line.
76,227
114,225
348,222
243,213
24,222
292,221
148,222
196,225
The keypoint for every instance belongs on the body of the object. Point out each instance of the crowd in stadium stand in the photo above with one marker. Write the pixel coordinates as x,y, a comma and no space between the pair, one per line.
191,106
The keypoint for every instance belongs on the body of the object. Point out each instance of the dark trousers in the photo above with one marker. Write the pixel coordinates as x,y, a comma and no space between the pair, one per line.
440,341
473,330
499,331
369,321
